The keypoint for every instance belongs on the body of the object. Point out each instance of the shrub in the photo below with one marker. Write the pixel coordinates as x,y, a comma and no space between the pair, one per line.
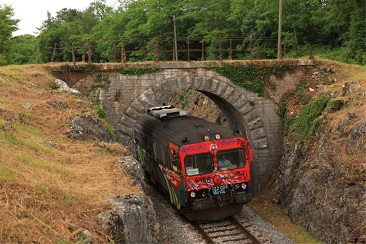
309,118
101,113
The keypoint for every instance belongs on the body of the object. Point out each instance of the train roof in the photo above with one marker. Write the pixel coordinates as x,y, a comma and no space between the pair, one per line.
170,124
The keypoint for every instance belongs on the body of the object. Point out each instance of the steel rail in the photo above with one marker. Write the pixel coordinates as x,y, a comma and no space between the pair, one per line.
226,230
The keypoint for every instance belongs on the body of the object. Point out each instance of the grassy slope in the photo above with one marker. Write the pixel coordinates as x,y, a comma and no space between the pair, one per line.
51,187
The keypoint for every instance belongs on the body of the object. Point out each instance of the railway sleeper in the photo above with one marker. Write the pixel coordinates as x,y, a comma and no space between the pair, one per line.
226,233
243,239
221,229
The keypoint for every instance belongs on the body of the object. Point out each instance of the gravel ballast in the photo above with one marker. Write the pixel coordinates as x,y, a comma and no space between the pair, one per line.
175,228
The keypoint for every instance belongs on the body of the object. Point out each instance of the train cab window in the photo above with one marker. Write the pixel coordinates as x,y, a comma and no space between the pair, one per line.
198,164
231,159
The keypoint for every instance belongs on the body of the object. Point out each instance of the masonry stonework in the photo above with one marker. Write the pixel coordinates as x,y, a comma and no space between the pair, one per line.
128,96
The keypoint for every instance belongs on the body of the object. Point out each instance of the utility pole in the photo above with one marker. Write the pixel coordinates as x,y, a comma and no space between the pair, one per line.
37,47
175,54
279,47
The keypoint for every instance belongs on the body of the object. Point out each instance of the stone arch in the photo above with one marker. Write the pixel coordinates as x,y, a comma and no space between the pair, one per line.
240,107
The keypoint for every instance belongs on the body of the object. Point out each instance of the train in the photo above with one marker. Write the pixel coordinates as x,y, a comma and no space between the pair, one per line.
203,166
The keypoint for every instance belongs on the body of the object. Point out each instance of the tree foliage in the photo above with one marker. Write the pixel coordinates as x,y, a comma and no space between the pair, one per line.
7,26
311,24
24,50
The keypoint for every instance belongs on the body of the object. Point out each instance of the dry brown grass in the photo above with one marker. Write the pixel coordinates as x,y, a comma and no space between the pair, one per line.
51,187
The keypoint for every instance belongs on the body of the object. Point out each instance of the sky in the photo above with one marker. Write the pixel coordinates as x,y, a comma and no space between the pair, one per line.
32,13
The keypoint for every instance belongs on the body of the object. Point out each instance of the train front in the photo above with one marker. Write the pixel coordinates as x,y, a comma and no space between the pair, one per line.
216,177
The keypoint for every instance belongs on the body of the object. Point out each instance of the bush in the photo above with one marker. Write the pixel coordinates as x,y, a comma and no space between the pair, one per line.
309,118
3,61
101,113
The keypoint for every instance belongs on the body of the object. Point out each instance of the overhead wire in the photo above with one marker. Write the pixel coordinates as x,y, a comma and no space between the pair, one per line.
181,17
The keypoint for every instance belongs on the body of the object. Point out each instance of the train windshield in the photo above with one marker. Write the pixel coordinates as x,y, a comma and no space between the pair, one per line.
231,159
199,164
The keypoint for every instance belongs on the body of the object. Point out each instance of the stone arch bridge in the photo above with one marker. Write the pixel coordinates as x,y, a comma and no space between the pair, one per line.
126,97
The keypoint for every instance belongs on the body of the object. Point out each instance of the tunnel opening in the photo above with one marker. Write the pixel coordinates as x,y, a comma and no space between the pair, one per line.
208,106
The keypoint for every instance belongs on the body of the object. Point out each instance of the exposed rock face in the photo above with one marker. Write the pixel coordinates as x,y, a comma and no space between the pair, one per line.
64,87
133,218
133,168
132,221
323,183
197,104
85,127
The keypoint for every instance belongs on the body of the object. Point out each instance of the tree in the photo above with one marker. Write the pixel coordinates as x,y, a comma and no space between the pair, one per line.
142,24
23,50
8,25
357,43
59,33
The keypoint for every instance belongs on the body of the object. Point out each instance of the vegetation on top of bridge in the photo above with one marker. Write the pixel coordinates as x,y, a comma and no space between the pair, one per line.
253,77
135,70
90,68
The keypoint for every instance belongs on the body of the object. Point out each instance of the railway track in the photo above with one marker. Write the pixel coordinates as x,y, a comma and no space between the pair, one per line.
226,231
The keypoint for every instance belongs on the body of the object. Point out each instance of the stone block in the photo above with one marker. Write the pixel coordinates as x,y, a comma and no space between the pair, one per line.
258,133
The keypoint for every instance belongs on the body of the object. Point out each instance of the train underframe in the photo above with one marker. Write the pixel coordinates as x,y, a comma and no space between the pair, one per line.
216,208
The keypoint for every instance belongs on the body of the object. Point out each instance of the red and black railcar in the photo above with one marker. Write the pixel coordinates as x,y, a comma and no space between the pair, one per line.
183,155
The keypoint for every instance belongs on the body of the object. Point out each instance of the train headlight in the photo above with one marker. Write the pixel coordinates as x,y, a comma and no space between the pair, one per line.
193,194
217,136
206,138
244,186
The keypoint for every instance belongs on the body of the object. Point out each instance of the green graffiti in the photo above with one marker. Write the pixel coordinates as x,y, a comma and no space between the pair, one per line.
182,193
145,160
172,194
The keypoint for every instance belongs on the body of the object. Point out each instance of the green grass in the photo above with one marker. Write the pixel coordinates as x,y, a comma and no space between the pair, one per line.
7,174
309,118
33,162
277,217
339,54
27,137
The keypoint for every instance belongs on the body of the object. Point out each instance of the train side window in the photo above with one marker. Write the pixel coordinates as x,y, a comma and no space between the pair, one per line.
149,147
176,165
167,157
136,136
154,150
143,141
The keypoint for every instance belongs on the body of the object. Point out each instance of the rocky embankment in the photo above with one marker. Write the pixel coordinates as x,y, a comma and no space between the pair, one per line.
321,182
321,187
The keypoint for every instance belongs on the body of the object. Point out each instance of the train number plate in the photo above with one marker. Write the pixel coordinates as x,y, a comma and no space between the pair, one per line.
216,190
